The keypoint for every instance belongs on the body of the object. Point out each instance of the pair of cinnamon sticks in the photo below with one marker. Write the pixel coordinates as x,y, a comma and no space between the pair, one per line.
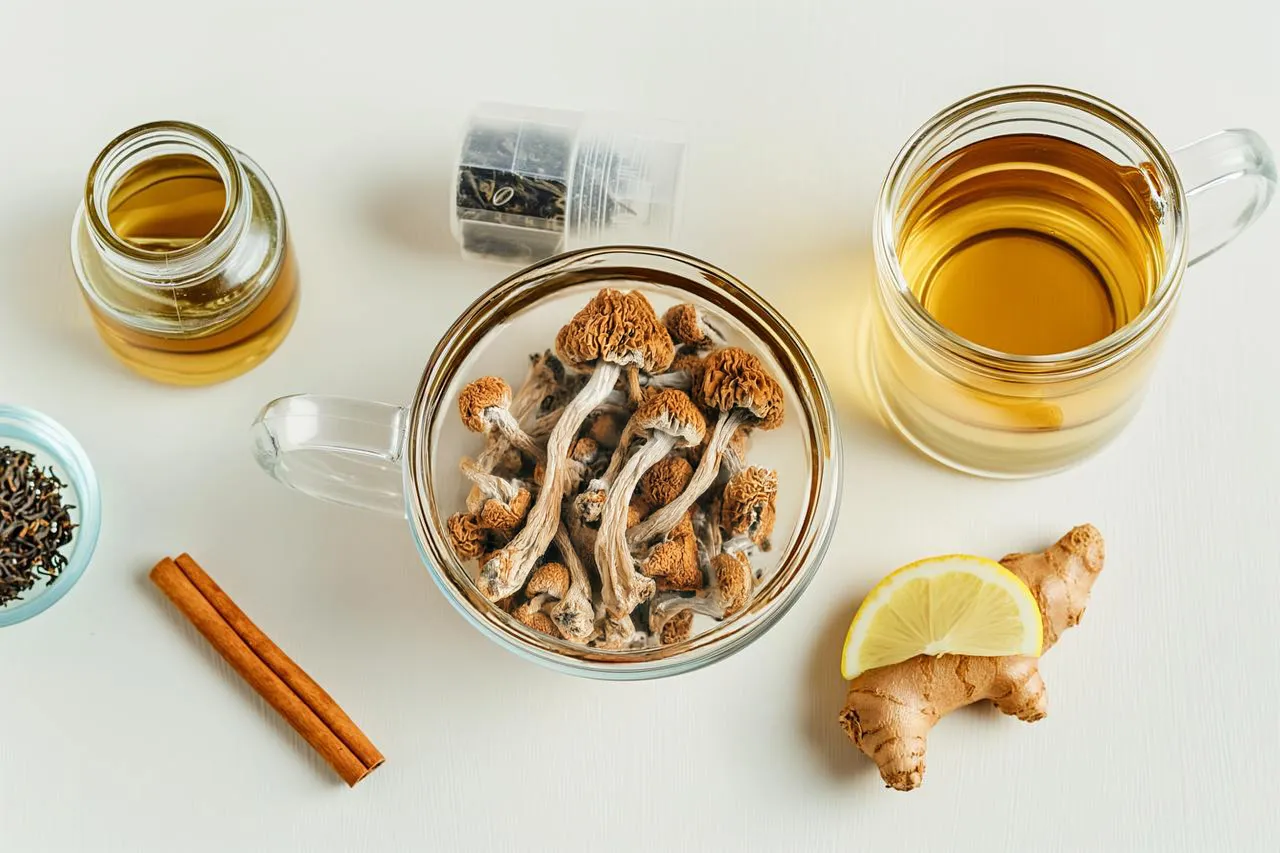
267,669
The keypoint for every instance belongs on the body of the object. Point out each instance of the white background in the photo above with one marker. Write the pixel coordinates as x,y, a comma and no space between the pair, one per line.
121,730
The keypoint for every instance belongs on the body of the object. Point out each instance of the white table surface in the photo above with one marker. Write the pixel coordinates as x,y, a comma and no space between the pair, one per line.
121,730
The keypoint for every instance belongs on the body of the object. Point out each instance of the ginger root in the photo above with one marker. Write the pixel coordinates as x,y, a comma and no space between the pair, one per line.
889,710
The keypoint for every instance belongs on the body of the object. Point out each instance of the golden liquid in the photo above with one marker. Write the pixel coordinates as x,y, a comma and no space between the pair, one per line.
1032,245
1027,245
167,204
164,205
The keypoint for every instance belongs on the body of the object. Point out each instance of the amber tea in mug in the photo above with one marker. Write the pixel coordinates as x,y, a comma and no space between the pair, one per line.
1030,245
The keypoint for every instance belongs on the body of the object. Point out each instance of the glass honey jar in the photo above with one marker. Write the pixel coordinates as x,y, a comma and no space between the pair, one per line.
182,252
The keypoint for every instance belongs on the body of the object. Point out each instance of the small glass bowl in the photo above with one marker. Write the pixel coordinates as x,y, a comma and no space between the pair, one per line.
521,315
53,446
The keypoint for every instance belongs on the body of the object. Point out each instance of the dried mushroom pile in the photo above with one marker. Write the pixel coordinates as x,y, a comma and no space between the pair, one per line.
612,499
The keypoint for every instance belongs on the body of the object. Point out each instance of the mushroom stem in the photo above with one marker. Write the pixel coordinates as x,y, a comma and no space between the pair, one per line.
635,394
622,587
667,606
542,427
506,424
732,461
573,615
487,485
541,383
507,569
681,380
619,634
662,520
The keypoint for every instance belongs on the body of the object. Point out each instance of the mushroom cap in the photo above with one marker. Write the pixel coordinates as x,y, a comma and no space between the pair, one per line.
606,430
677,629
734,579
589,504
535,619
483,393
748,504
666,481
673,563
584,450
684,322
637,510
733,378
466,534
617,327
671,412
549,578
543,385
505,518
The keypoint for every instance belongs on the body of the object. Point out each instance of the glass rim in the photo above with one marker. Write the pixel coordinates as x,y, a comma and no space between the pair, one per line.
1088,358
796,568
216,152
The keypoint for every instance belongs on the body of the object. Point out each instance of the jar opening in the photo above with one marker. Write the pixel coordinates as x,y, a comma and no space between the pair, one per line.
167,203
162,191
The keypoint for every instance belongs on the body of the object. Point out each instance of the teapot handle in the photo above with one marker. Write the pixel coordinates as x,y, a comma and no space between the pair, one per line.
1229,178
336,449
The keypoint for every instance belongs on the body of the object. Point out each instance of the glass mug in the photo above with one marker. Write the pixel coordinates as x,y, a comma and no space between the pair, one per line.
404,460
1000,414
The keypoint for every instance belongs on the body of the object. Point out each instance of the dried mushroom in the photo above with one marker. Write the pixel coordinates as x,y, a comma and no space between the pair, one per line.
542,387
667,421
687,326
574,614
485,405
733,585
676,629
468,538
530,614
616,331
505,516
747,507
666,481
549,578
603,499
736,384
673,563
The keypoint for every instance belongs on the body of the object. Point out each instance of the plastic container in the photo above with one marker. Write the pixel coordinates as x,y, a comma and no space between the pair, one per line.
53,446
532,182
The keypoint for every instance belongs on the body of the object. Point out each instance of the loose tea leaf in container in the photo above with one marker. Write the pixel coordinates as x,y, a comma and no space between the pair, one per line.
535,182
35,525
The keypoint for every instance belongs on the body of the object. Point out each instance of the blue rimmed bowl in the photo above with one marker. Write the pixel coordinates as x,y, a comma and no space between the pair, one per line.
54,447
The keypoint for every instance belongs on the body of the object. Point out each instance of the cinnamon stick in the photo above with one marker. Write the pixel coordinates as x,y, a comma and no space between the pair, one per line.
267,669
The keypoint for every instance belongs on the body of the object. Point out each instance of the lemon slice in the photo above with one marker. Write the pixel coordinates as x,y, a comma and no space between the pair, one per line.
952,605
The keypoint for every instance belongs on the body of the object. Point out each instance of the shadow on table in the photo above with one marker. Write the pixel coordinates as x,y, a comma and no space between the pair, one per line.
411,210
44,297
835,754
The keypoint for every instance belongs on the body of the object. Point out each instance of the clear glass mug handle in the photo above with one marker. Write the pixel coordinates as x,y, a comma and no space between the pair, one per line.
1229,179
336,449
